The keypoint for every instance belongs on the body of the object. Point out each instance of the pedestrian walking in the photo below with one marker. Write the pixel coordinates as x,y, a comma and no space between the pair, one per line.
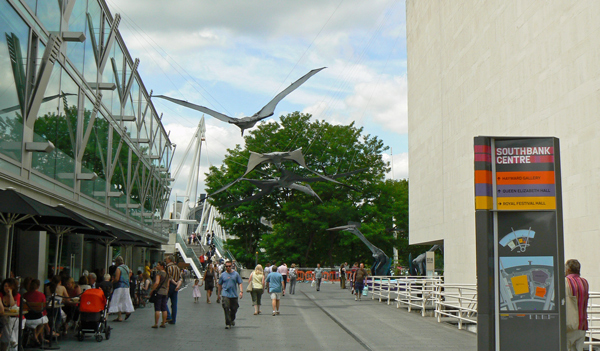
209,282
343,276
121,299
174,277
577,291
318,276
197,294
283,270
257,283
267,269
293,274
161,285
352,272
275,286
229,281
359,281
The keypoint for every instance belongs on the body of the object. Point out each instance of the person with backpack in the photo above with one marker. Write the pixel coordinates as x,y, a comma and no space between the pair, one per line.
293,274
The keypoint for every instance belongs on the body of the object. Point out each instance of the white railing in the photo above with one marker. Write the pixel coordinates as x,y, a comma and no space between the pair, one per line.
417,292
381,287
457,301
410,291
593,332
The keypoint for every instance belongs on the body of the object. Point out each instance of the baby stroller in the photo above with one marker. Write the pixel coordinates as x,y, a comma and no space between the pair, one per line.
93,313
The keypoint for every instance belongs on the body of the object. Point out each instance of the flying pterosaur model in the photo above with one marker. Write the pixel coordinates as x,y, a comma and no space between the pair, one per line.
382,263
246,122
277,158
288,180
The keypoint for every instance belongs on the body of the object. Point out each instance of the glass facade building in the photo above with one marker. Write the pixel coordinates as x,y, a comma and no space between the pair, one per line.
76,122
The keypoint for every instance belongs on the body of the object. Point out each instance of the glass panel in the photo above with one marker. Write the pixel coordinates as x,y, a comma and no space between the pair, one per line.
119,178
31,4
94,158
14,33
57,123
118,56
163,160
90,69
78,23
49,14
137,185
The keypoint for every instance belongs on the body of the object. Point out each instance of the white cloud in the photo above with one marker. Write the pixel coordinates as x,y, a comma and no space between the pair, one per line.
398,165
384,101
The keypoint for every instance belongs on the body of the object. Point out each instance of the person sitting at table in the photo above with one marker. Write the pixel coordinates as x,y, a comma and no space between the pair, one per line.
73,290
56,293
83,283
35,319
10,298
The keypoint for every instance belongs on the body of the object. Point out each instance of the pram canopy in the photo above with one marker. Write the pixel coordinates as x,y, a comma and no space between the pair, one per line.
92,300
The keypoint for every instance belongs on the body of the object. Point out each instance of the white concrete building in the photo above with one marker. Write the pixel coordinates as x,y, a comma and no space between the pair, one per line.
501,68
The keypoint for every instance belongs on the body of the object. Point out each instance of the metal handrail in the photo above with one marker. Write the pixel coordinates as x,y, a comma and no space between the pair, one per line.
457,301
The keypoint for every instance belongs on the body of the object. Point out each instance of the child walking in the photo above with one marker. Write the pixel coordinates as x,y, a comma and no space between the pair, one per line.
197,293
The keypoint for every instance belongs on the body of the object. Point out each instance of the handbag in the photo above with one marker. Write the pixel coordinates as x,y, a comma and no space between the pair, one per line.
249,287
154,295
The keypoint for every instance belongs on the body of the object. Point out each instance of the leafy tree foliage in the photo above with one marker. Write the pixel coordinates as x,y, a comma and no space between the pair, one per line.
300,222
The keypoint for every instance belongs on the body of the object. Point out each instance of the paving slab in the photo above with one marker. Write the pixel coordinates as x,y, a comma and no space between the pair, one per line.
329,319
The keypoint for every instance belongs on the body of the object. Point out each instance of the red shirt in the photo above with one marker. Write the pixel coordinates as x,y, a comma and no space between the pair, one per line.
17,298
35,296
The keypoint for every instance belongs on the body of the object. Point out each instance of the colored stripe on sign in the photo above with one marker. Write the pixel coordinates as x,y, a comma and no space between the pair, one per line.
527,203
483,158
526,190
483,177
483,190
483,149
515,178
484,202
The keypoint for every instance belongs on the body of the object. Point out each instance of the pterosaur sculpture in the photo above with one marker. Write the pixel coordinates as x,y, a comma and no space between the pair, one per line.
277,158
382,263
419,263
287,180
246,122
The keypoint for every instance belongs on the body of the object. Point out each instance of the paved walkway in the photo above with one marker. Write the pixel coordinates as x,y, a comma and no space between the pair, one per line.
326,320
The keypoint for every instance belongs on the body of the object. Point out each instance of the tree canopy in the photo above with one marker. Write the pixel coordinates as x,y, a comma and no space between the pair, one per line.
300,222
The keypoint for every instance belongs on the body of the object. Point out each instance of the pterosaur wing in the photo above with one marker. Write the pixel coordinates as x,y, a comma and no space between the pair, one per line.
256,196
332,178
202,109
225,187
269,108
305,189
255,160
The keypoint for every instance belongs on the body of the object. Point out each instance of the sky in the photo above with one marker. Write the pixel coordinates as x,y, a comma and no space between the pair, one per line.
234,56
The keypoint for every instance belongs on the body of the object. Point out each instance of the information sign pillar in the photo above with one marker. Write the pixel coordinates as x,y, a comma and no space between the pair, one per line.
519,230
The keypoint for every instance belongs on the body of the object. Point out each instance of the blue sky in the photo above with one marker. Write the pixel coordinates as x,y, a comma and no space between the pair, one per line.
235,56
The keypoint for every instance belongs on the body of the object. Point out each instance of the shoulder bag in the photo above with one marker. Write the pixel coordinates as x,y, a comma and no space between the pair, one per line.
249,287
154,295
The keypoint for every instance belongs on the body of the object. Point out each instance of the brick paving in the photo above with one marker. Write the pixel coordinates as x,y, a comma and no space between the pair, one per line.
326,320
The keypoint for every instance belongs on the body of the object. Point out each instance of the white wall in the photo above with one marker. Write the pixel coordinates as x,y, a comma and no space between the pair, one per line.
519,68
